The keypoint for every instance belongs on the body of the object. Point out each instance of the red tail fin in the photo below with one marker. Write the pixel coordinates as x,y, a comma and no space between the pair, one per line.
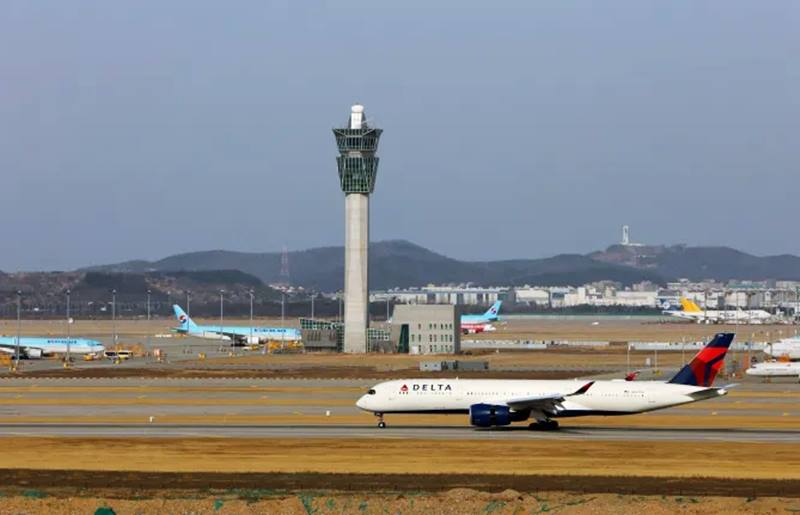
704,367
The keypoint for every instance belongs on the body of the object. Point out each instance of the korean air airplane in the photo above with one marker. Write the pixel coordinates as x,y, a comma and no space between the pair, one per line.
495,402
35,347
490,315
239,335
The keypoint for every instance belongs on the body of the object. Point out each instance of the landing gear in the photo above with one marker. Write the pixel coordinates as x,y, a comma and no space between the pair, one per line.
544,425
381,423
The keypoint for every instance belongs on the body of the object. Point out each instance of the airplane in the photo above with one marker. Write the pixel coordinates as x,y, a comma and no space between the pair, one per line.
489,316
691,311
238,335
470,328
788,348
37,347
774,369
496,402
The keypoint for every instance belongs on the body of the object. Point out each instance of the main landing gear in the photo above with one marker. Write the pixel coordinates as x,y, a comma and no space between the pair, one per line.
544,425
381,423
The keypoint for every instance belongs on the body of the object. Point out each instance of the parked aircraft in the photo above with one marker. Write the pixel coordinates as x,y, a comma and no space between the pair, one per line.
490,315
774,369
239,335
36,347
691,311
474,324
470,328
788,348
495,402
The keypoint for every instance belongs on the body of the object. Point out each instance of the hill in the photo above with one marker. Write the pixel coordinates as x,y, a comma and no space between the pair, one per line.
399,263
90,291
395,263
697,263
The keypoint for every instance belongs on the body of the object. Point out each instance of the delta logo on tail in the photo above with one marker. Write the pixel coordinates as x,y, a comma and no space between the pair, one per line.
702,370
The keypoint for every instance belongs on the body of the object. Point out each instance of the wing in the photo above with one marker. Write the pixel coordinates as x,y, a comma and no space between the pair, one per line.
545,403
712,392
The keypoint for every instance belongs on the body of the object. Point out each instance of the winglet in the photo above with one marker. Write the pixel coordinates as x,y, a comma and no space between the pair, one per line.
583,389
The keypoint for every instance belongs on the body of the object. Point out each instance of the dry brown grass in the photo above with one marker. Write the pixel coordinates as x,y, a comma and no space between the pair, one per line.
618,330
532,457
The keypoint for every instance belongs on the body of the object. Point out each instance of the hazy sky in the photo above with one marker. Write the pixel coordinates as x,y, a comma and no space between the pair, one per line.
137,129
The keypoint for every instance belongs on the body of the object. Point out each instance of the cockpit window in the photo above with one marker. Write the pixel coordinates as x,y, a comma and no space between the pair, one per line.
371,391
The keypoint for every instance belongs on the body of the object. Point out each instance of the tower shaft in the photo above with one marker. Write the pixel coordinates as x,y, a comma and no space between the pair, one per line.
356,273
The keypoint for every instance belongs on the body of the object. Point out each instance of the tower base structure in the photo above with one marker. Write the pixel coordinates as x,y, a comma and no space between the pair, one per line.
356,267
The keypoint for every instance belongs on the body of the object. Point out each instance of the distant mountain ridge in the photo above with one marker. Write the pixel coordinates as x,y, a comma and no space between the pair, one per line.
399,263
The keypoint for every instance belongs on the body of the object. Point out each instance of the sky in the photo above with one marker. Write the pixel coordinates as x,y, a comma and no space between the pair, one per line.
140,129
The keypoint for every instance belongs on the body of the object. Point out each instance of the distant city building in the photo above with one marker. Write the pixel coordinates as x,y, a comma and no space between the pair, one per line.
457,295
780,295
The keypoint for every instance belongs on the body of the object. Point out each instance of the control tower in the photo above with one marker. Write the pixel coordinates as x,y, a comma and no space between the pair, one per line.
358,166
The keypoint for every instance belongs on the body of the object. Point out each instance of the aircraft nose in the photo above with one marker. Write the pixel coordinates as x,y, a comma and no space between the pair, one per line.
361,403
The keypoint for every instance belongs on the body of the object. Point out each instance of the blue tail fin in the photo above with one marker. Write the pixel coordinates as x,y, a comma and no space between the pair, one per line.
493,311
702,370
184,322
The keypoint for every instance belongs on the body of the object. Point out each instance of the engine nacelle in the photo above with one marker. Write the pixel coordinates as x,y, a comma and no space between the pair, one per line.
489,415
32,353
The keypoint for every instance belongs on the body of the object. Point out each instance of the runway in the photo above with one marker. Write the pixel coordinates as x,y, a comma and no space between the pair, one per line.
520,433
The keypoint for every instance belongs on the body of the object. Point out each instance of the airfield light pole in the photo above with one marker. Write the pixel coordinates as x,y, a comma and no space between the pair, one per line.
387,308
188,303
251,316
683,350
114,316
19,328
283,307
148,319
312,305
69,322
221,312
628,358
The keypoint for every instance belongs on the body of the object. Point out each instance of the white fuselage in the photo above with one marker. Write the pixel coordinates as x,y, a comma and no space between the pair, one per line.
457,395
750,316
774,369
787,348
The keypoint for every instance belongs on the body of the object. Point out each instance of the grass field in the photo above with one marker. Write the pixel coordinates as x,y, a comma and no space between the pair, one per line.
402,456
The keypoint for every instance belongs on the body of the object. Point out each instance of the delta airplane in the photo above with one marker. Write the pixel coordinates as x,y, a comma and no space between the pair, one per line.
495,402
473,324
691,311
36,347
239,335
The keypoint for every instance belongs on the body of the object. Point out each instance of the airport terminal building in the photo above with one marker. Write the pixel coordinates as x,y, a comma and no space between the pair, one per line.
427,329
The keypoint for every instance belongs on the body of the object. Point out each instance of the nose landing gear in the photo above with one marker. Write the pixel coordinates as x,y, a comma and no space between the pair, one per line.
381,423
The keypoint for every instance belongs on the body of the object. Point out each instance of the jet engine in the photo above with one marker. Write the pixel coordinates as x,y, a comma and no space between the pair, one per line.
488,415
32,353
